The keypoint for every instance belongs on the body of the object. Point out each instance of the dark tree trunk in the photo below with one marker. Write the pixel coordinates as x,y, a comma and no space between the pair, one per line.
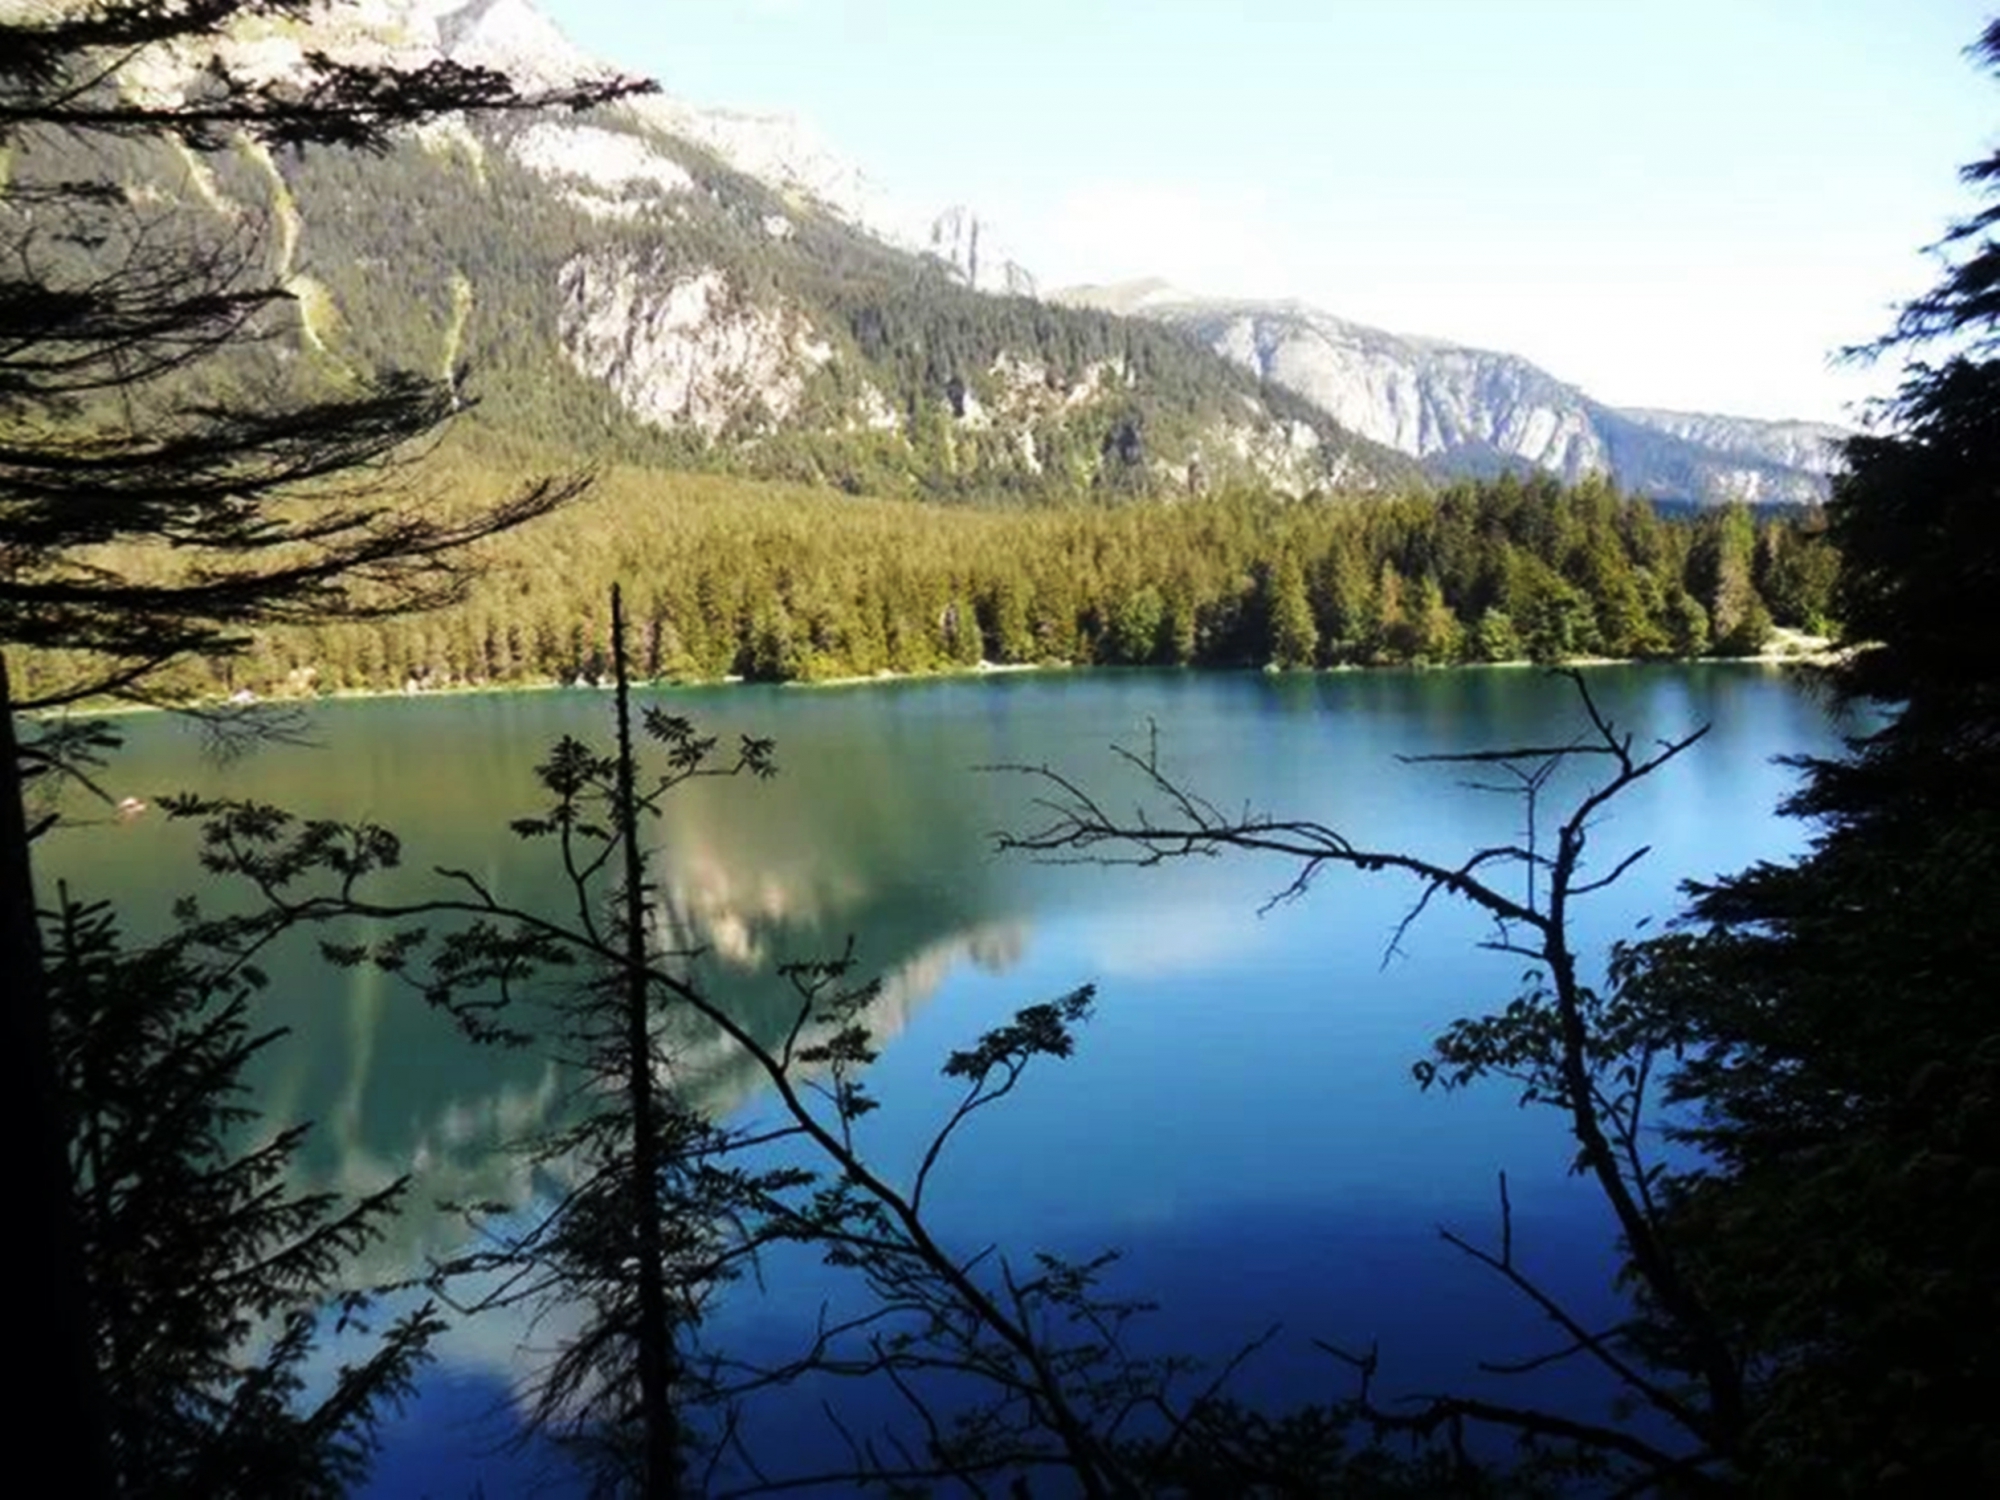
57,1407
656,1349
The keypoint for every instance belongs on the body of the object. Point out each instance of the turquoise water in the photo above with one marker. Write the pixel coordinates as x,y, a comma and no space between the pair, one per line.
1240,1118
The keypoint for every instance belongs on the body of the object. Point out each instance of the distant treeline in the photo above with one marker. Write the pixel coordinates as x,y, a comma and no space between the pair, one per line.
775,583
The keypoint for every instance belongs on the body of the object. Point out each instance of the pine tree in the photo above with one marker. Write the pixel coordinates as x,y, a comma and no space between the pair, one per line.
149,509
209,1282
202,513
1294,637
1837,1015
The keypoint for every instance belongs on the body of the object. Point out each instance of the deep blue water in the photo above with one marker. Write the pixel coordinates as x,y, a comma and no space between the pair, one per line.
1240,1118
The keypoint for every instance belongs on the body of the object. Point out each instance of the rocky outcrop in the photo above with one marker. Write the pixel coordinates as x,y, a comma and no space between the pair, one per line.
1465,410
974,255
510,36
607,174
684,350
1813,447
781,151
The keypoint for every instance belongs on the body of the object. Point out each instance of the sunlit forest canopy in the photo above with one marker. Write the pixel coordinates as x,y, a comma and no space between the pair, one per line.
774,582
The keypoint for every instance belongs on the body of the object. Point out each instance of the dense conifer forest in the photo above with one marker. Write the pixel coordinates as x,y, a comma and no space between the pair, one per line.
779,583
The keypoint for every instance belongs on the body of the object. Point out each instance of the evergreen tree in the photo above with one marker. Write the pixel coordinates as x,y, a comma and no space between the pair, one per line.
1003,615
1294,638
149,509
1389,632
1439,636
117,322
208,1280
1798,574
1687,625
1132,633
1838,1014
639,1239
1495,638
1720,578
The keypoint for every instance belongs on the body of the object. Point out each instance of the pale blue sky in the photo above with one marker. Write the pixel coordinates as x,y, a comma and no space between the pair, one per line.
1682,203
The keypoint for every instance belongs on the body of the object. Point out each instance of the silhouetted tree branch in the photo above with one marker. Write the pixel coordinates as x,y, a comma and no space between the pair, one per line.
140,521
260,509
209,1283
1568,1045
1041,1343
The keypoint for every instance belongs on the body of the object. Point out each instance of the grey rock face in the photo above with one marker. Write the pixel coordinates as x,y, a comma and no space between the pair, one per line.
1474,410
684,350
1811,446
967,245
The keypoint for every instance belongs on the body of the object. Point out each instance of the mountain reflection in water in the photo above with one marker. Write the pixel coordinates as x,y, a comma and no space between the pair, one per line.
1239,1116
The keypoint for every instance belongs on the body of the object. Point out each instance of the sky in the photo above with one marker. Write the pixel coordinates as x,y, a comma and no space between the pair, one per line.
1679,203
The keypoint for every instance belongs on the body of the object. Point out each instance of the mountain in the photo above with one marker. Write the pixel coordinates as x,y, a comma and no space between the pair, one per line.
1463,410
677,284
693,287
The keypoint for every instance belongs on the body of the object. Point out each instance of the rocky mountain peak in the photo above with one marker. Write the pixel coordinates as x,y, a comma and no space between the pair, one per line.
698,300
510,36
1462,409
966,243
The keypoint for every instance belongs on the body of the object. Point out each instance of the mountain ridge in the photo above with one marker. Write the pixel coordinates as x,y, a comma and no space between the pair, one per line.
627,291
1463,409
717,288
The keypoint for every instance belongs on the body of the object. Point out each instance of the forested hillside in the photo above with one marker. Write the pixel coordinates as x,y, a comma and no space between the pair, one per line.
611,290
783,583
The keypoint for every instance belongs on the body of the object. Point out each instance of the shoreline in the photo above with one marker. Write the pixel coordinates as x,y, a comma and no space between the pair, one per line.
1796,650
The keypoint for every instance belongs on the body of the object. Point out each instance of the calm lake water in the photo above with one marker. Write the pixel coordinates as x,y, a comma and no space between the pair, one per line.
1239,1119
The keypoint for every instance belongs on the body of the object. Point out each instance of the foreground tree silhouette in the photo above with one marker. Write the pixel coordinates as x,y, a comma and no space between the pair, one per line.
1840,1013
642,1236
1814,1302
142,517
145,517
210,1282
1572,1045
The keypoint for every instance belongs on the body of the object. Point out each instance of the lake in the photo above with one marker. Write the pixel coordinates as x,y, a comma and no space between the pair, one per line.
1240,1117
